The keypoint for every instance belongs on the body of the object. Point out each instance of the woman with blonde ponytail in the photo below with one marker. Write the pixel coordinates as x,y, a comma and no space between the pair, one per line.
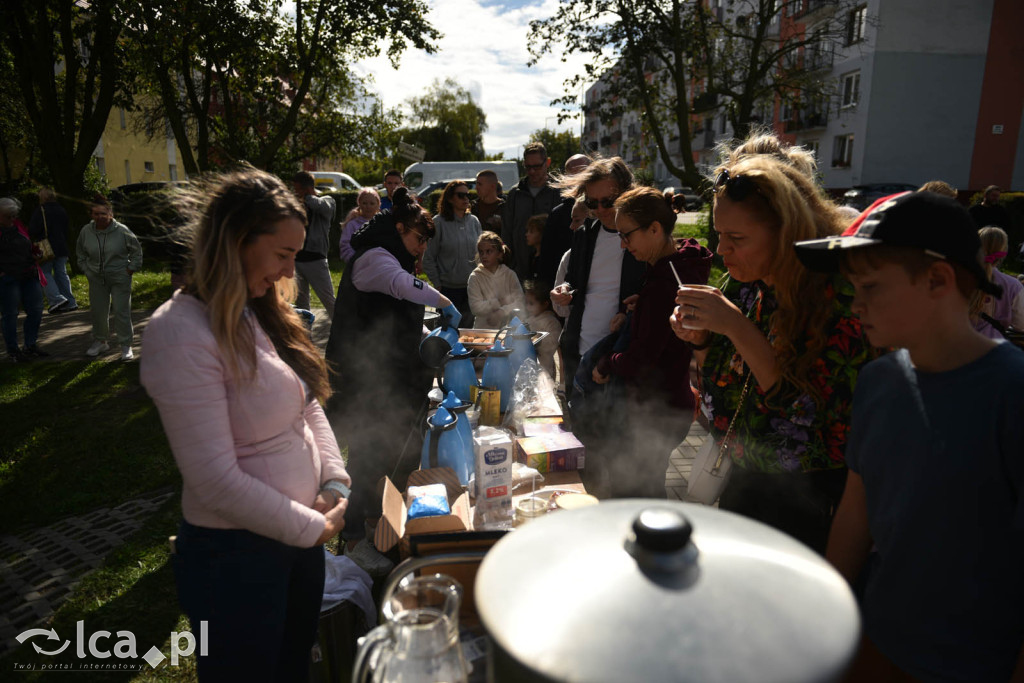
238,385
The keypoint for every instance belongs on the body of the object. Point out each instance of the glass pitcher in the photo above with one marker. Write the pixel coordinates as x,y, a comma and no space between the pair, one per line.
419,640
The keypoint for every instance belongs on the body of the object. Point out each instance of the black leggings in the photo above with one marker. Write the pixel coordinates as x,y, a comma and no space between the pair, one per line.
800,504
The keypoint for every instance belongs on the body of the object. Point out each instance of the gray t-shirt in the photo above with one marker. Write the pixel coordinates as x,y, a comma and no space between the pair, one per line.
942,458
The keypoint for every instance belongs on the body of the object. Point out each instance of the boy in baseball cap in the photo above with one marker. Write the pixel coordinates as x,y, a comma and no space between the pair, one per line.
936,452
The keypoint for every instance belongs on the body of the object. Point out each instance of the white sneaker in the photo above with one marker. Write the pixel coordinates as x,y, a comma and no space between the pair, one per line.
126,353
97,348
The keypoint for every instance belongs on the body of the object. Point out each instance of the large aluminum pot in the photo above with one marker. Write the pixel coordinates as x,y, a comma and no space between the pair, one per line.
643,590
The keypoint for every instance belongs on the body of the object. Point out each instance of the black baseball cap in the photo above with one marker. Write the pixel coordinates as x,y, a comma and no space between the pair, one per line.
938,225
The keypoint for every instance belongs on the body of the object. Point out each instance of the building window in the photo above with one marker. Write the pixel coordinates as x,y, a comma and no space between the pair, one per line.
721,125
101,165
842,151
851,89
124,123
127,171
856,24
148,167
814,147
172,171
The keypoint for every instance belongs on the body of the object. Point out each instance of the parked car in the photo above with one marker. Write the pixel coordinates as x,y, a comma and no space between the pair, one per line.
422,174
861,197
334,181
424,197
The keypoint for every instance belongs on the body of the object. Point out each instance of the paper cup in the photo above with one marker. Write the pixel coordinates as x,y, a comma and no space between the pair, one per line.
685,322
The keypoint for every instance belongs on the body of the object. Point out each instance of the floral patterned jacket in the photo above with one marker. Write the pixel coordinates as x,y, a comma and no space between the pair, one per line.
786,431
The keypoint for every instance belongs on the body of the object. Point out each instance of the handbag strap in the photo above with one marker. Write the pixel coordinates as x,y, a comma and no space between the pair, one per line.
732,423
46,228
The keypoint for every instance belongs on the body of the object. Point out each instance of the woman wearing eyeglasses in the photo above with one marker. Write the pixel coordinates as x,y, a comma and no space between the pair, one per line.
452,256
655,365
379,383
778,347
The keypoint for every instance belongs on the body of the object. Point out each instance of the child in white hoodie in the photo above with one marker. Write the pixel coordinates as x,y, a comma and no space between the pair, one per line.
493,288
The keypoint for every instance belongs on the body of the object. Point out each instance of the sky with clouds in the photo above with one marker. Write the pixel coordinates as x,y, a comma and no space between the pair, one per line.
484,49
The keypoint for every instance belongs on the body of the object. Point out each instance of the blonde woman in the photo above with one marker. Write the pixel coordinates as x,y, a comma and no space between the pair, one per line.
1006,310
786,332
238,385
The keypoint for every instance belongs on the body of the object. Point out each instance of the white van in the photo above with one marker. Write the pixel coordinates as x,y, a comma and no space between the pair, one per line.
333,181
423,173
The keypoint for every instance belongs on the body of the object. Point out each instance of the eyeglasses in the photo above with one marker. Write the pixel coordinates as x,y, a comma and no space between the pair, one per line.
606,202
462,195
737,187
533,167
420,237
624,236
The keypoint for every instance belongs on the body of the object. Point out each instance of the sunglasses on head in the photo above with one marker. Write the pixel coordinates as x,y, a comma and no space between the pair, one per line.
462,195
737,187
606,202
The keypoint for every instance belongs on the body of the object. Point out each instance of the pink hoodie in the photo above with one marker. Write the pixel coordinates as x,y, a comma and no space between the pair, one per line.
252,454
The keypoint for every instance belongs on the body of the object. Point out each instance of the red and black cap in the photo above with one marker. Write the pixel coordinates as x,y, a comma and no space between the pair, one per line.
937,225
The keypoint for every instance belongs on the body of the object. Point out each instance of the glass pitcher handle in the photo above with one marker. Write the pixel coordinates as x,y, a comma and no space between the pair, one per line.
361,672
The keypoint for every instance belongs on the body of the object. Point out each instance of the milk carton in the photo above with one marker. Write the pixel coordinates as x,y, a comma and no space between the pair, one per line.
493,448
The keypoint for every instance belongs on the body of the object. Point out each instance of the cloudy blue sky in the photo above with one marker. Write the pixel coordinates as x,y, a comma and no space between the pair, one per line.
484,48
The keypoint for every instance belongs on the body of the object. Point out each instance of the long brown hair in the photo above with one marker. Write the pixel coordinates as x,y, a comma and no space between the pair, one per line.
229,212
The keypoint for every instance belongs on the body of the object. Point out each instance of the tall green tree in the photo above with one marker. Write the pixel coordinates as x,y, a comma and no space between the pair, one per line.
679,61
247,81
560,145
447,123
72,67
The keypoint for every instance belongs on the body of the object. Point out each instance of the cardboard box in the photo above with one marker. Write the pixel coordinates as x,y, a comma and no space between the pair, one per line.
558,452
541,426
394,528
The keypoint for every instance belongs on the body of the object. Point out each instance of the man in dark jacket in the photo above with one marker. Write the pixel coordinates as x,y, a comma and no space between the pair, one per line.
557,234
50,221
311,269
533,195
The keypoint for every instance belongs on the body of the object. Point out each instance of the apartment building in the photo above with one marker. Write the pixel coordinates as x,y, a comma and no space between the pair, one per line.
127,155
921,90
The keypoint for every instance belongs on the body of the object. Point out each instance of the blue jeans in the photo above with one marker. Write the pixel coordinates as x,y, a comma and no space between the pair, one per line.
58,285
259,597
26,292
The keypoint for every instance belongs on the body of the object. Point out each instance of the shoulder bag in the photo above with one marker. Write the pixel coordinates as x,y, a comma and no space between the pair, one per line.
42,248
712,466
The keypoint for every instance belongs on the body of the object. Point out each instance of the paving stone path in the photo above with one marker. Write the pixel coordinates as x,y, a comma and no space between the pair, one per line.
40,568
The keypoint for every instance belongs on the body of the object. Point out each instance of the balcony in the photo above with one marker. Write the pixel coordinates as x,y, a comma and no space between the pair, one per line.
806,121
819,59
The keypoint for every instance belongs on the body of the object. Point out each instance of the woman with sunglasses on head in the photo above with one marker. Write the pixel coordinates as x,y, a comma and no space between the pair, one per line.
778,346
655,366
380,384
452,256
238,385
601,274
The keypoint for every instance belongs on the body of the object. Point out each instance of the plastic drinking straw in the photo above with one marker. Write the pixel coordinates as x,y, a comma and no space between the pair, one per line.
680,282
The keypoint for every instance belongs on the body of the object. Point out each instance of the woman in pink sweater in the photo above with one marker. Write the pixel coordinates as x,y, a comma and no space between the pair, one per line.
238,385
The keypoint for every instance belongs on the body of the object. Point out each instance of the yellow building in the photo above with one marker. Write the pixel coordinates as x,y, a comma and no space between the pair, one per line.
127,155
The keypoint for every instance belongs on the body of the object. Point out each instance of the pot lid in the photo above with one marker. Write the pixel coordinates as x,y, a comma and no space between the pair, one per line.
442,418
458,350
497,349
452,403
665,591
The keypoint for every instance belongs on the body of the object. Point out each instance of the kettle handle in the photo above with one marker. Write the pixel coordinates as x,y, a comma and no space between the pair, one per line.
435,439
378,637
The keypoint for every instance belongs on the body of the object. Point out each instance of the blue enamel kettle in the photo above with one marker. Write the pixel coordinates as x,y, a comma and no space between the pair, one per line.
458,408
442,445
459,374
520,340
498,372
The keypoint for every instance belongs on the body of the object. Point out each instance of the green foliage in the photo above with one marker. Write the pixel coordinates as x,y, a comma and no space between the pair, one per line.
447,123
280,83
644,176
560,145
678,63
